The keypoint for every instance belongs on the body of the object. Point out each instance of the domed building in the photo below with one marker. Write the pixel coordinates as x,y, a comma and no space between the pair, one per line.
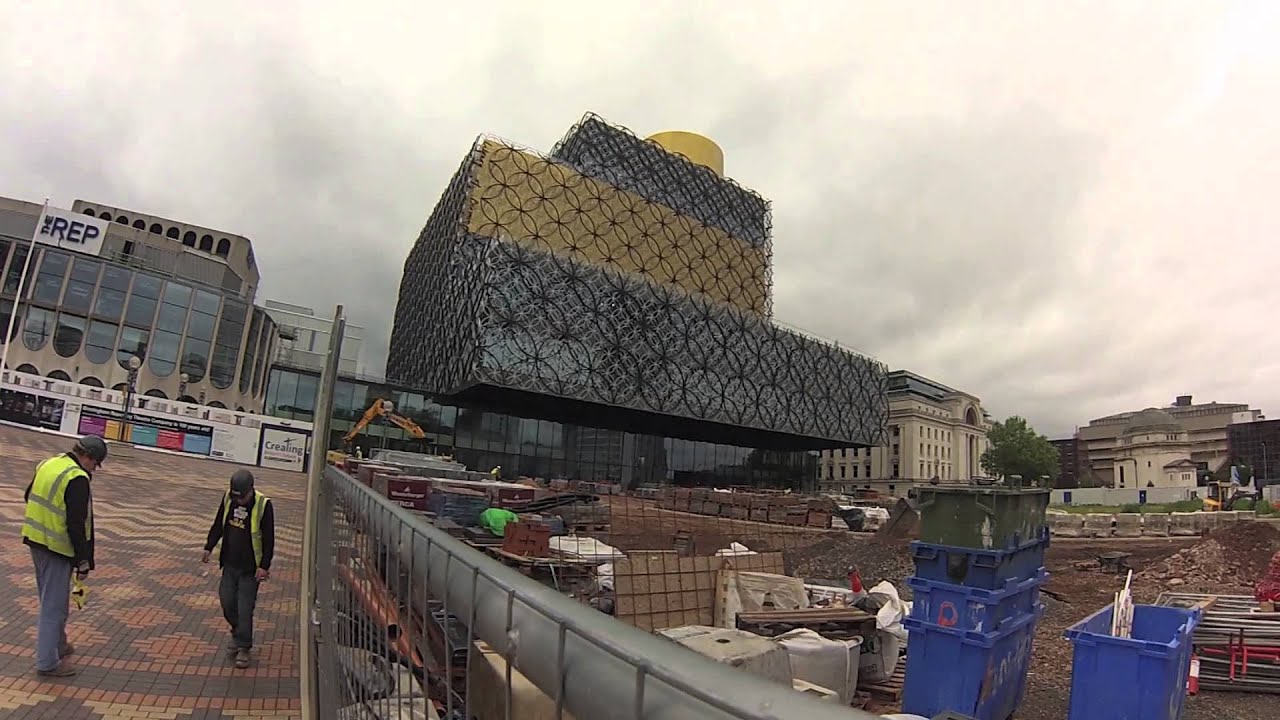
1154,451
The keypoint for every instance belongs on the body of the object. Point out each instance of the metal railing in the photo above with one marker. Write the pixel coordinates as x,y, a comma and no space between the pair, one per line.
410,617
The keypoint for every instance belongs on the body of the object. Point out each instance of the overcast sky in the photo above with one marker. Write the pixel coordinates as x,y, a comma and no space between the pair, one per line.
1062,211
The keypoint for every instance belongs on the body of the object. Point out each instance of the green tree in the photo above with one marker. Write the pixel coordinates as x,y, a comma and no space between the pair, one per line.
1017,449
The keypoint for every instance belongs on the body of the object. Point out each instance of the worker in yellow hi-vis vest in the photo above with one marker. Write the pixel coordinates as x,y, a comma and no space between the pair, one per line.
246,526
59,530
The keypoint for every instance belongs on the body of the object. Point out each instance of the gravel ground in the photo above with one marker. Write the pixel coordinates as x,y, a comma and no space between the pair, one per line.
1083,590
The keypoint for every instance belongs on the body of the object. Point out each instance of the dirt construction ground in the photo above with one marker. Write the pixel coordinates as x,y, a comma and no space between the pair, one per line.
1228,562
1085,591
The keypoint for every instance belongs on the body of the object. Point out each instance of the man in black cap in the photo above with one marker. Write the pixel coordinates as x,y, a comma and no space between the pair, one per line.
246,526
58,527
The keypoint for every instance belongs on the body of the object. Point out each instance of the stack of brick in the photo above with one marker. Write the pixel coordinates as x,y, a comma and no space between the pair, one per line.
776,508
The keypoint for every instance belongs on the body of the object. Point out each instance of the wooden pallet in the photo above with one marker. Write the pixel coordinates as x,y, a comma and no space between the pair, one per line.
889,690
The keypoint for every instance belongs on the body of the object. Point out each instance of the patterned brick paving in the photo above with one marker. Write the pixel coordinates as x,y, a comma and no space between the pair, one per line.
150,642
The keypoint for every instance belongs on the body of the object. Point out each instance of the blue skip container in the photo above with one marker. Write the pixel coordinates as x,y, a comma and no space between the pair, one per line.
968,608
988,569
980,675
1143,677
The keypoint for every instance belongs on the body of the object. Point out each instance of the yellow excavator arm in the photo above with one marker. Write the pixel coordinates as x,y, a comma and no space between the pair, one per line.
382,408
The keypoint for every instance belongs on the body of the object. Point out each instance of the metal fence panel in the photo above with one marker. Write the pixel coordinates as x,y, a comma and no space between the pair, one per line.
412,615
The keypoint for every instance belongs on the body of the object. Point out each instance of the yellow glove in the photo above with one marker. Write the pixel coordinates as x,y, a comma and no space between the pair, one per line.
79,592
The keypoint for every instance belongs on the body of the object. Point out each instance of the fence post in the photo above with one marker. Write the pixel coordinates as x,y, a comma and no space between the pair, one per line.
313,605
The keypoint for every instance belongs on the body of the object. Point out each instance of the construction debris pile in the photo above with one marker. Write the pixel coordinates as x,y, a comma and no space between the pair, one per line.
832,556
1233,557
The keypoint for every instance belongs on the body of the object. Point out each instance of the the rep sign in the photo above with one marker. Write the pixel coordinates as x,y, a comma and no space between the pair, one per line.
283,448
71,231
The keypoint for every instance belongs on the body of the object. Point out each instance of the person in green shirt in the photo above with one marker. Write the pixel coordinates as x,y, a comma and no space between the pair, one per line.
495,520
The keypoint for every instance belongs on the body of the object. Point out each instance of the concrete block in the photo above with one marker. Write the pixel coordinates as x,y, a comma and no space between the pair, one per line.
1186,524
1247,515
1210,521
1098,525
743,650
1066,525
1227,517
1155,525
1128,525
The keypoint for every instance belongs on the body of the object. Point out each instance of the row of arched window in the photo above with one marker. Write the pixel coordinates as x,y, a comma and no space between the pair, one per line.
205,242
90,381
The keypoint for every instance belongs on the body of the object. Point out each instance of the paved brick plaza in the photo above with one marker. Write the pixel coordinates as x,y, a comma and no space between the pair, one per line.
150,643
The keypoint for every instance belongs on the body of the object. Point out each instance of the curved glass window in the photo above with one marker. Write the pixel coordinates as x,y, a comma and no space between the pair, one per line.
91,381
60,375
164,353
100,342
143,300
251,348
133,342
199,339
37,328
226,346
169,325
6,307
111,294
79,294
69,335
12,277
53,266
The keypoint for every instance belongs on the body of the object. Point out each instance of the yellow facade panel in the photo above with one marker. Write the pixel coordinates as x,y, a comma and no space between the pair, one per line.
522,197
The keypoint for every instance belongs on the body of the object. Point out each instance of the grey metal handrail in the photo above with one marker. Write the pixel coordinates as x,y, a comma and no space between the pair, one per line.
590,664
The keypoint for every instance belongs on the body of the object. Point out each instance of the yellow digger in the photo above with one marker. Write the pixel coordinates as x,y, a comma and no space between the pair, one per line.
1223,495
378,409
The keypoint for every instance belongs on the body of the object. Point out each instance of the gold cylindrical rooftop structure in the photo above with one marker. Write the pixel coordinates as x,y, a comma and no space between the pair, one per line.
700,150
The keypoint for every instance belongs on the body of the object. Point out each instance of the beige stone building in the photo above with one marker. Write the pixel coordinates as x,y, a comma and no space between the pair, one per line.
1204,424
934,432
1154,451
161,306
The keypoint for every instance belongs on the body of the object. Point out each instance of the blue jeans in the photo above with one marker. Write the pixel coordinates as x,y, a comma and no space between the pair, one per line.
53,583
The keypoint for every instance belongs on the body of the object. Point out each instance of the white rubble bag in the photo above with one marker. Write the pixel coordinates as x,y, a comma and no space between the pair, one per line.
832,664
879,656
740,591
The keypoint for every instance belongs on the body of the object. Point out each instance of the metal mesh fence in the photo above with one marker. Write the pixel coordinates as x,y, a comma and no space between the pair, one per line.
414,622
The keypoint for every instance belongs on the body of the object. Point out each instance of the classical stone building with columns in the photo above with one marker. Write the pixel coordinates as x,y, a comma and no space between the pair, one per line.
935,431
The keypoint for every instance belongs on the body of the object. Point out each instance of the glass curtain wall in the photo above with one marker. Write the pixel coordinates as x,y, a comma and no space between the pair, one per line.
536,448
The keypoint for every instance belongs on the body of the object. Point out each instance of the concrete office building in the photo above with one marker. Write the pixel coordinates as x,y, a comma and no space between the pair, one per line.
934,432
1206,426
173,298
1069,460
304,339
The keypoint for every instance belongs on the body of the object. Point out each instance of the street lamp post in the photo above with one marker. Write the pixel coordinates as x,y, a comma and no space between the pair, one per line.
134,363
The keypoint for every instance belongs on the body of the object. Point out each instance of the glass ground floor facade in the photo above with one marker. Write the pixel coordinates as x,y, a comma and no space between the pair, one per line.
536,447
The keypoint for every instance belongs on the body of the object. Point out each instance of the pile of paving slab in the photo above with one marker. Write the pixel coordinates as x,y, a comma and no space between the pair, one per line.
1133,525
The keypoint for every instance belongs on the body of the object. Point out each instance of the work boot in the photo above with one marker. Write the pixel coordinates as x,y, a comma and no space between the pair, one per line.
66,650
61,670
242,658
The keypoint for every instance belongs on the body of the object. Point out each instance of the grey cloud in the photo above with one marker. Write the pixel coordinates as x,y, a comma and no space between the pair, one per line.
1066,213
